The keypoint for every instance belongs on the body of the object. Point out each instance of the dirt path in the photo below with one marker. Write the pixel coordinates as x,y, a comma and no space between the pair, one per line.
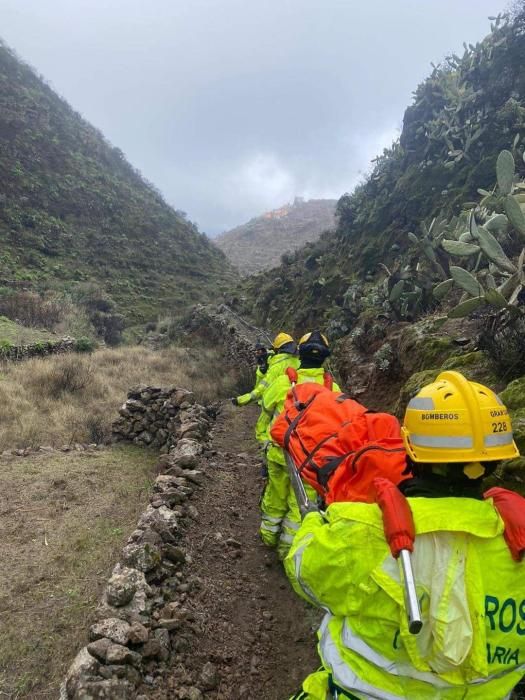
248,623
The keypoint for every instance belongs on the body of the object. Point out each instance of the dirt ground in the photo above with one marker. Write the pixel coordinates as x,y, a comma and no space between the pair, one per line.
247,620
63,519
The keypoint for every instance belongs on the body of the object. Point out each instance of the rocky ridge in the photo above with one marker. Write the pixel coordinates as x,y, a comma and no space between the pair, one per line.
261,243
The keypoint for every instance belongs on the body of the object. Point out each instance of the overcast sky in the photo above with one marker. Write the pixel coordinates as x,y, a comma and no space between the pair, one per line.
233,107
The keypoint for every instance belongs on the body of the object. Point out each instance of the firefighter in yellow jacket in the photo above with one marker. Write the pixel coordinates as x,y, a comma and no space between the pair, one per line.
262,358
283,355
280,513
471,591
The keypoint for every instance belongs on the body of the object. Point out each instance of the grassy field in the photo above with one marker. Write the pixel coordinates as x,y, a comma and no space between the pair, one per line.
65,515
65,399
15,334
63,519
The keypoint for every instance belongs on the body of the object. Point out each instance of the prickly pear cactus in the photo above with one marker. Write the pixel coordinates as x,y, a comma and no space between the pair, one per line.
488,276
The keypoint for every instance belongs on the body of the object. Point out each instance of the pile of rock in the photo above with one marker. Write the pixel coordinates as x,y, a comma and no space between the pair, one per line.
142,614
158,417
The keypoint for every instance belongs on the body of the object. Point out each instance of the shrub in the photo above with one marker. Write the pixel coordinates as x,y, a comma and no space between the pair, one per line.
504,345
85,344
31,309
386,362
70,375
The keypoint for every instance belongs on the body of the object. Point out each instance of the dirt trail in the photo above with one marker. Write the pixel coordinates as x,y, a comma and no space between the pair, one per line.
247,621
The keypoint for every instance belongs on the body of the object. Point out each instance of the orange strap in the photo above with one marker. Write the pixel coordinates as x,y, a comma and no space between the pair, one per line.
328,381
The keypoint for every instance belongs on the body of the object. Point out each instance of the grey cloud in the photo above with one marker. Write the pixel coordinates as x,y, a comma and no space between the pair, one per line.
232,107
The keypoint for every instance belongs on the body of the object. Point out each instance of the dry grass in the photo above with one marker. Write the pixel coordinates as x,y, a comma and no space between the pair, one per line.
64,516
74,398
63,519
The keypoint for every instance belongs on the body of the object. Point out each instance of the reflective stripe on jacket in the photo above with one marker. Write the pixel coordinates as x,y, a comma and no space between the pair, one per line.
472,597
273,404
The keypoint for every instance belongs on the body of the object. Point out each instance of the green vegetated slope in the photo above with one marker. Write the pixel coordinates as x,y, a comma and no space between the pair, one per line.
467,110
265,240
72,209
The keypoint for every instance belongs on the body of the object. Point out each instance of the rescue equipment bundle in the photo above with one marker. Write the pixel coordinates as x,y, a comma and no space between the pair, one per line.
336,443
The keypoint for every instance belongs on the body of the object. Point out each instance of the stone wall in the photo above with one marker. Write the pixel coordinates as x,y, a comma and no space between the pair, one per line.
156,417
39,349
141,610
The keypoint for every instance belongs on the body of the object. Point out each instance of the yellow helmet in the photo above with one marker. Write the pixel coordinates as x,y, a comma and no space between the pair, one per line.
455,420
281,339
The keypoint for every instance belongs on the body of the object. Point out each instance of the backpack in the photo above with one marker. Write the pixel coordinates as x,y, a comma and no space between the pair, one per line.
337,444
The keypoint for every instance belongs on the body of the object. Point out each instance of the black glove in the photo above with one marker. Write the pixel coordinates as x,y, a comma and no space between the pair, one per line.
235,401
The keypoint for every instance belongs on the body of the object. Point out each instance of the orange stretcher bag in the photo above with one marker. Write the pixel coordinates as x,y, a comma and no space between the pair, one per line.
338,446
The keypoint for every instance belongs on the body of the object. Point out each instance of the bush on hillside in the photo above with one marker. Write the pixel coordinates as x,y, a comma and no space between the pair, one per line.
504,345
85,344
32,309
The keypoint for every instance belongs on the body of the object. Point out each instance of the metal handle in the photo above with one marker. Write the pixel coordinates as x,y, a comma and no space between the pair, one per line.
415,622
304,503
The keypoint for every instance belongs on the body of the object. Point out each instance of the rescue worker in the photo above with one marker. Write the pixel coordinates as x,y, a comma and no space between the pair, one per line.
284,351
261,358
471,591
280,513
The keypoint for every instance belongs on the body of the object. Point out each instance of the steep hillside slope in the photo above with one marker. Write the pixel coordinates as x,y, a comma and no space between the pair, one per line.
72,209
260,244
468,109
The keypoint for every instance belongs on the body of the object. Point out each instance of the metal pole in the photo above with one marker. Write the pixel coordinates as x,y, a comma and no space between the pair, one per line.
304,503
411,600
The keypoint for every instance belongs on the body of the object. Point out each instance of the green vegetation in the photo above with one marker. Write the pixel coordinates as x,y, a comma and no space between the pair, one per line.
469,109
73,211
12,333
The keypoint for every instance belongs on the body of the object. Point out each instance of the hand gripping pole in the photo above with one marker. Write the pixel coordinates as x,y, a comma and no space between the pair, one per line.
304,503
400,533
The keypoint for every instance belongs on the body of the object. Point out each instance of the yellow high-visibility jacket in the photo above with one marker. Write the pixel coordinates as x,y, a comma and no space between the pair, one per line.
472,597
277,364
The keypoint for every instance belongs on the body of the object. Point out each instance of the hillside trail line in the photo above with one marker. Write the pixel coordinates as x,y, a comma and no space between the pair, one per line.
250,624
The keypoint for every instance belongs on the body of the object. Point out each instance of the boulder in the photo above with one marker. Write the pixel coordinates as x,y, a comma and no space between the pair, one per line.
137,606
119,654
144,557
111,689
185,454
120,589
84,668
514,395
138,634
112,628
99,648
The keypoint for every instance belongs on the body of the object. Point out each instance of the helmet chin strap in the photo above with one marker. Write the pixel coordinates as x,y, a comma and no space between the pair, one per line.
474,470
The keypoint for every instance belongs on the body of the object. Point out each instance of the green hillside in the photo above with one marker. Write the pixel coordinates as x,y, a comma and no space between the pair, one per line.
462,115
74,211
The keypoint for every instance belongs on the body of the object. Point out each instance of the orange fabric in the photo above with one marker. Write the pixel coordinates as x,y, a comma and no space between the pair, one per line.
511,508
337,445
328,380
